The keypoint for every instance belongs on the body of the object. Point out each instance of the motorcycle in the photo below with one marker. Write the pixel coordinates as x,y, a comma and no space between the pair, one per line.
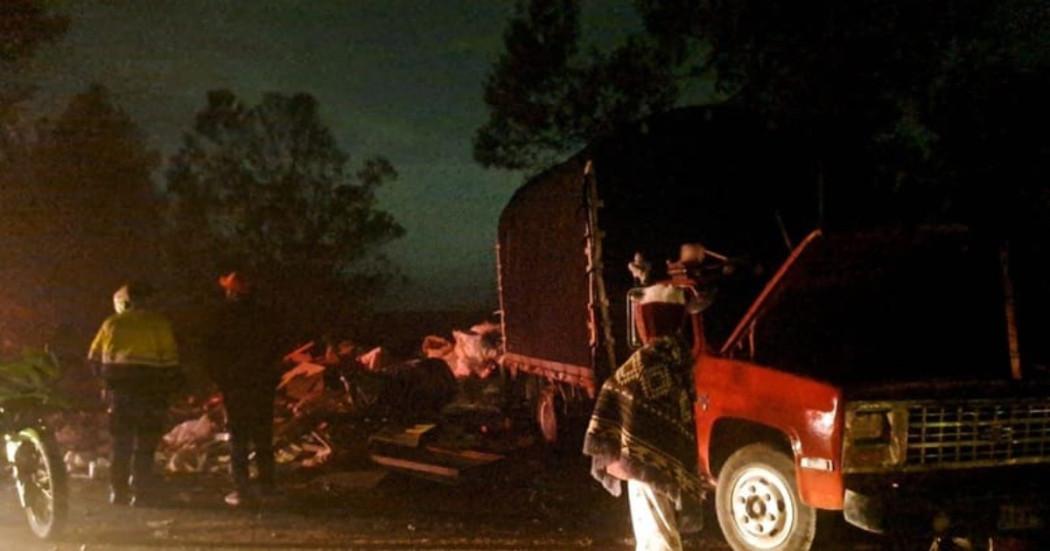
30,455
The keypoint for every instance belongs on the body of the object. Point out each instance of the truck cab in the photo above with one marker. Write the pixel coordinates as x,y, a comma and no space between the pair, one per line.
875,375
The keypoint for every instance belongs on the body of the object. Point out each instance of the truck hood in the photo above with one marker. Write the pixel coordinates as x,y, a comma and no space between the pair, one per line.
889,307
776,285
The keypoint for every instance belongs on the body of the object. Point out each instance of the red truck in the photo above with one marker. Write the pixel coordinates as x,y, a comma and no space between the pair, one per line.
875,374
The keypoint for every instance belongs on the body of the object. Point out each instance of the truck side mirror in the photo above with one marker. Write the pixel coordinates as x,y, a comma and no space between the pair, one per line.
634,298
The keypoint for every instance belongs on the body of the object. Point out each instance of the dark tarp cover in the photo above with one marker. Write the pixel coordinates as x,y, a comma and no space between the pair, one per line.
688,176
542,269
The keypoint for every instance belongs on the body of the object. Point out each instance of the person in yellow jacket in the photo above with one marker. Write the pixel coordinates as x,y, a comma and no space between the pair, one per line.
136,355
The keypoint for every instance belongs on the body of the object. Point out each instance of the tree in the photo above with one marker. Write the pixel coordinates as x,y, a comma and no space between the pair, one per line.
894,95
267,189
545,99
907,86
24,26
92,168
79,215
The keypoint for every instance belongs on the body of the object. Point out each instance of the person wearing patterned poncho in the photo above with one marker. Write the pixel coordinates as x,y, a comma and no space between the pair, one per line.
642,428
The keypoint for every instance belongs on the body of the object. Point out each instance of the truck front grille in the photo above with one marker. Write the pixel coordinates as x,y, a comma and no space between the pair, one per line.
978,432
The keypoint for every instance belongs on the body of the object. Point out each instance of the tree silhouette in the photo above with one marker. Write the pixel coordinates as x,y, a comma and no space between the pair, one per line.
79,213
546,99
265,188
923,103
24,26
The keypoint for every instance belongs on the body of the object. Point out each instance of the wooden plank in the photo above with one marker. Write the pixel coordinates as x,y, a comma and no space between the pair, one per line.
470,456
409,437
416,466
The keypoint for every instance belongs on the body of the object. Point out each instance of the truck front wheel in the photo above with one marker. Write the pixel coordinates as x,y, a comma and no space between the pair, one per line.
758,505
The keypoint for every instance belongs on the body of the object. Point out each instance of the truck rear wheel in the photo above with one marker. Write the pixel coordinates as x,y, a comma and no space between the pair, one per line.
757,502
547,418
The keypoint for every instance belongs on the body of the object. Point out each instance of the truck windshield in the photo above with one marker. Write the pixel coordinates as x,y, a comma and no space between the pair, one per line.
889,309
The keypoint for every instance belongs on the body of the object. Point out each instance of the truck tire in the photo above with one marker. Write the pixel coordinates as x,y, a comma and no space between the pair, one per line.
757,502
42,483
547,415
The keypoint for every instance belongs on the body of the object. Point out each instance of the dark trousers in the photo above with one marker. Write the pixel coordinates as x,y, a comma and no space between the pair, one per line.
249,412
136,422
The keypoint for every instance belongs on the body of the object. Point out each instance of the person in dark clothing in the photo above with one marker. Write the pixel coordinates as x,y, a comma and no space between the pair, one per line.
136,355
244,361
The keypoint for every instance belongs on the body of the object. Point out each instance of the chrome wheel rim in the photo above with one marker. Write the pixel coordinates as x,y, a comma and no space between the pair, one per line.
763,507
37,485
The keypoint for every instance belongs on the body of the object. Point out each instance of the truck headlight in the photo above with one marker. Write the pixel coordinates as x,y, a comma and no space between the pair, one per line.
869,427
874,437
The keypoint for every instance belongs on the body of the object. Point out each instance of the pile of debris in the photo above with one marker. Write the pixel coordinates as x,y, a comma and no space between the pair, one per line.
473,353
404,415
198,444
338,405
84,435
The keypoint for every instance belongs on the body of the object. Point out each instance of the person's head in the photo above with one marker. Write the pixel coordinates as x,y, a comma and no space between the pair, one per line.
234,285
660,312
131,295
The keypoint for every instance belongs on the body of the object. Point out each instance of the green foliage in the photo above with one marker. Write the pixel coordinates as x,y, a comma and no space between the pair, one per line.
266,189
29,379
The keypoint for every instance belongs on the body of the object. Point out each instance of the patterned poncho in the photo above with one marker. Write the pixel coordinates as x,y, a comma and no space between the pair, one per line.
644,419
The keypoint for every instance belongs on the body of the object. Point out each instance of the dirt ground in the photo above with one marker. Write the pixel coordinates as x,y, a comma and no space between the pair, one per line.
533,501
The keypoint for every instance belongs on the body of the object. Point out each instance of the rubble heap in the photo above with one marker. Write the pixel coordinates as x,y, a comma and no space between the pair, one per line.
338,405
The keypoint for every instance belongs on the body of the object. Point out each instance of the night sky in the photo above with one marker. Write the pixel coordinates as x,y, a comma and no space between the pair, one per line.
399,78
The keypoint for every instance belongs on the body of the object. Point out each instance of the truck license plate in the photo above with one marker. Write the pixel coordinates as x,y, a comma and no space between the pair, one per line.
1019,517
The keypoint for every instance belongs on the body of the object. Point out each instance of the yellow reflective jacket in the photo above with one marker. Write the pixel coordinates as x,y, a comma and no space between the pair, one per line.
135,337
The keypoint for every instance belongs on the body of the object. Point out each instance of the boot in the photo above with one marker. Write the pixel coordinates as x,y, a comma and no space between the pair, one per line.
119,495
144,492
